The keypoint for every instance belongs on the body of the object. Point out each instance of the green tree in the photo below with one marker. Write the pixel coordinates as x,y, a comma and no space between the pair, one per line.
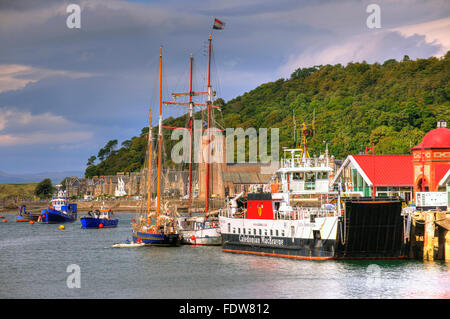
91,160
44,189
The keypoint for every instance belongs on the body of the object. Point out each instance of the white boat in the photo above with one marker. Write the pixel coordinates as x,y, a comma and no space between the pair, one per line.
128,245
197,231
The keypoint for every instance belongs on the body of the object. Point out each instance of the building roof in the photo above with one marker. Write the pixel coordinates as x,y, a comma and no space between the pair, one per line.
385,170
246,177
437,138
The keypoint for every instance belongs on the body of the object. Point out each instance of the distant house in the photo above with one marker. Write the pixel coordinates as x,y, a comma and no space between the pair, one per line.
392,175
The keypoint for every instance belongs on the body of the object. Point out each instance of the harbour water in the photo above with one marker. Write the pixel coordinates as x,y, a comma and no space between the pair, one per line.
34,261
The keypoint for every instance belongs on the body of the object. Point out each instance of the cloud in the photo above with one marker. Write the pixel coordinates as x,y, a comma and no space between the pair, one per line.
14,76
23,128
377,46
437,31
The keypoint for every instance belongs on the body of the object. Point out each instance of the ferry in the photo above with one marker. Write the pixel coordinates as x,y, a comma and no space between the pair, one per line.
303,217
59,210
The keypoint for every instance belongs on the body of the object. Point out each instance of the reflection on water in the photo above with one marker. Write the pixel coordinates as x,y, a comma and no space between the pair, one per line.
34,258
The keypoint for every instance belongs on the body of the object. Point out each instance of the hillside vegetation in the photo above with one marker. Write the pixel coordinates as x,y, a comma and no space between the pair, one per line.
391,105
17,192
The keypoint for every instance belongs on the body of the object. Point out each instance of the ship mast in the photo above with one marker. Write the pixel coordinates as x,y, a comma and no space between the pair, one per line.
191,111
149,169
208,103
210,93
158,191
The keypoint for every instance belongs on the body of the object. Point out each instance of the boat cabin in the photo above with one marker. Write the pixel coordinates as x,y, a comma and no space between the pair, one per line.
302,175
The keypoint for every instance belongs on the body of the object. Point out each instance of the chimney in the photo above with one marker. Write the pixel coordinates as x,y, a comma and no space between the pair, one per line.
441,124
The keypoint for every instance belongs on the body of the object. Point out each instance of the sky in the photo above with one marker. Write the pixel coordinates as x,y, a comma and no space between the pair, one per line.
64,93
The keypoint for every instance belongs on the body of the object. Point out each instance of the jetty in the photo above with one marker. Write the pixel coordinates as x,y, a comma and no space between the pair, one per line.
430,236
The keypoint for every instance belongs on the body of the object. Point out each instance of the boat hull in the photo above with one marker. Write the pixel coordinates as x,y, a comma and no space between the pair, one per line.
56,217
155,239
279,247
27,217
206,237
96,222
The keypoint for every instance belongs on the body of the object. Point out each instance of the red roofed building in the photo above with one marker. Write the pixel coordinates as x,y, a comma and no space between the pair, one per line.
392,175
400,175
431,160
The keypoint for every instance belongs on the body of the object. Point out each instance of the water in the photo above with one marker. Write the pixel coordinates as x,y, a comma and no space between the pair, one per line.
34,260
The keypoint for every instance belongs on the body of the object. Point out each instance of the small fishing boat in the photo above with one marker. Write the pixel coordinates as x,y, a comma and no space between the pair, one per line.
59,211
24,216
99,219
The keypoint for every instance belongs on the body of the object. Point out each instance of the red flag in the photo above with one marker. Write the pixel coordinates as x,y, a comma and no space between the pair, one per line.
218,25
370,149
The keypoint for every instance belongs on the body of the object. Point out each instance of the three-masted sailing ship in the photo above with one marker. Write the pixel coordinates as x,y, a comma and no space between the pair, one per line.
159,227
200,229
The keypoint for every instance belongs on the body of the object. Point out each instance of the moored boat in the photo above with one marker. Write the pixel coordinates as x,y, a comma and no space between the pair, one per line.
59,210
158,228
197,231
99,219
24,216
303,218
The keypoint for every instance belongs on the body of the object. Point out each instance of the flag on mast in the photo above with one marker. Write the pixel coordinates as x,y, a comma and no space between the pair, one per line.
218,25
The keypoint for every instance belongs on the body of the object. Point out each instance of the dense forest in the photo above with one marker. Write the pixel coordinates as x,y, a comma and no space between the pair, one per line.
391,105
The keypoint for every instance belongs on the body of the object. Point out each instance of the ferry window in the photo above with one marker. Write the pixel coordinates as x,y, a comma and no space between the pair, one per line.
271,232
260,232
276,232
310,176
265,232
239,230
243,229
282,233
297,176
234,230
292,231
229,227
254,231
249,231
321,175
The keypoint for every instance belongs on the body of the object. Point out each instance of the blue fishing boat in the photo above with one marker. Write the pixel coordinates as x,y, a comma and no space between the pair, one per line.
24,216
99,219
59,211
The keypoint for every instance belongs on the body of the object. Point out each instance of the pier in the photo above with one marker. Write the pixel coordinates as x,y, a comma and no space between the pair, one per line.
430,236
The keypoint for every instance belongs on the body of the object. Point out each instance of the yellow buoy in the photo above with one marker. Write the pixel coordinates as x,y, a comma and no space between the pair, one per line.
61,227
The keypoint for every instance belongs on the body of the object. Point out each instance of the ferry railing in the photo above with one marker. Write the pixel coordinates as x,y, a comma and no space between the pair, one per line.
305,213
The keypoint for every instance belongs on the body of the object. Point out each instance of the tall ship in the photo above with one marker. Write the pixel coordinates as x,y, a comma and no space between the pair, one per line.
301,216
203,228
59,210
155,228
